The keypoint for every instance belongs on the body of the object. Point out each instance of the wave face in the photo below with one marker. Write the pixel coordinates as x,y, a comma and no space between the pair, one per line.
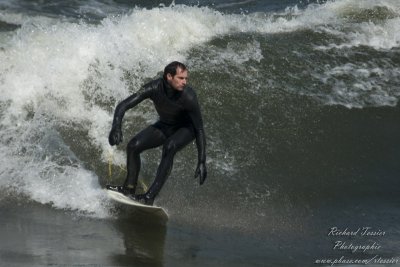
261,76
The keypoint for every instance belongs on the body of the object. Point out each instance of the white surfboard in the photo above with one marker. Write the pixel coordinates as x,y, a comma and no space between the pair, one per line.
121,198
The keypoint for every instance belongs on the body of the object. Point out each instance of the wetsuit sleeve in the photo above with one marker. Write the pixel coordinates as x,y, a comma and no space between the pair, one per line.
193,108
130,102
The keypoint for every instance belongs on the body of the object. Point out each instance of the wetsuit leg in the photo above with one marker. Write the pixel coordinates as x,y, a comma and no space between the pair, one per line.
173,144
150,137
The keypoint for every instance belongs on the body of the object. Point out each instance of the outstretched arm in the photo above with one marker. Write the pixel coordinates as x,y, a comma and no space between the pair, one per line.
115,136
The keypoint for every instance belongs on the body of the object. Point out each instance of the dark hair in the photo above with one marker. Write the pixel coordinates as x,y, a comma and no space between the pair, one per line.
172,67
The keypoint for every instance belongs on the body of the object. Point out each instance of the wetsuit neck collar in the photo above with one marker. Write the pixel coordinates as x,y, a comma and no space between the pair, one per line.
169,91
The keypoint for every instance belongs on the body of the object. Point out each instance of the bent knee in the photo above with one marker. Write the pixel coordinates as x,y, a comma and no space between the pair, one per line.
133,145
170,147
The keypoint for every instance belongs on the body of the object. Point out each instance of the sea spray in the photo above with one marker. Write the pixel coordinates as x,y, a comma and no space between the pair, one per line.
59,77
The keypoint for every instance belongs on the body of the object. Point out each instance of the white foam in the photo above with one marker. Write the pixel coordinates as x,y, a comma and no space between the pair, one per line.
368,86
40,166
57,73
335,17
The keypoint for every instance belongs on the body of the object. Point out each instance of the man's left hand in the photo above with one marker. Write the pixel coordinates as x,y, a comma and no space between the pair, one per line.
201,172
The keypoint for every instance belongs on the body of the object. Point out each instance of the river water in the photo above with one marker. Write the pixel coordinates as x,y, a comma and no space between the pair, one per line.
300,106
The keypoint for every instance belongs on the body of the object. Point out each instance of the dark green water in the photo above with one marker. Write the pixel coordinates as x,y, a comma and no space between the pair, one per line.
300,105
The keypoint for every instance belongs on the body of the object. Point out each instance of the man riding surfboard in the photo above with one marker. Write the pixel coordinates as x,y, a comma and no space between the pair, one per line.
180,122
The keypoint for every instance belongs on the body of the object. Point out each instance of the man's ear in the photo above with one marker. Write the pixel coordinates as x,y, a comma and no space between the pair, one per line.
169,76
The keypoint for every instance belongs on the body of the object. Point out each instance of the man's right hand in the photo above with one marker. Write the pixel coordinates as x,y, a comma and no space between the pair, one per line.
115,137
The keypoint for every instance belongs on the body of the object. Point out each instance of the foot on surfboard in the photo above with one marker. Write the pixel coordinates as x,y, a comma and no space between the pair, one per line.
121,189
143,198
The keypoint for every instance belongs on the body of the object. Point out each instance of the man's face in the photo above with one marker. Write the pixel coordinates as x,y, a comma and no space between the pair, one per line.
178,82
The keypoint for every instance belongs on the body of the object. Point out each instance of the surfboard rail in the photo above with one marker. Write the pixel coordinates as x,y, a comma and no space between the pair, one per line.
121,198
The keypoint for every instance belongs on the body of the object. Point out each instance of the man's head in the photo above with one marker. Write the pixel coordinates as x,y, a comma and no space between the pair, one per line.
176,74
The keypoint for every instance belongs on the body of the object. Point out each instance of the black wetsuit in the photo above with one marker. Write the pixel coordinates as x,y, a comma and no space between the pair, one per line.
179,123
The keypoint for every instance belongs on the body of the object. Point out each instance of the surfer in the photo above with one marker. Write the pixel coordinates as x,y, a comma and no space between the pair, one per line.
180,122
